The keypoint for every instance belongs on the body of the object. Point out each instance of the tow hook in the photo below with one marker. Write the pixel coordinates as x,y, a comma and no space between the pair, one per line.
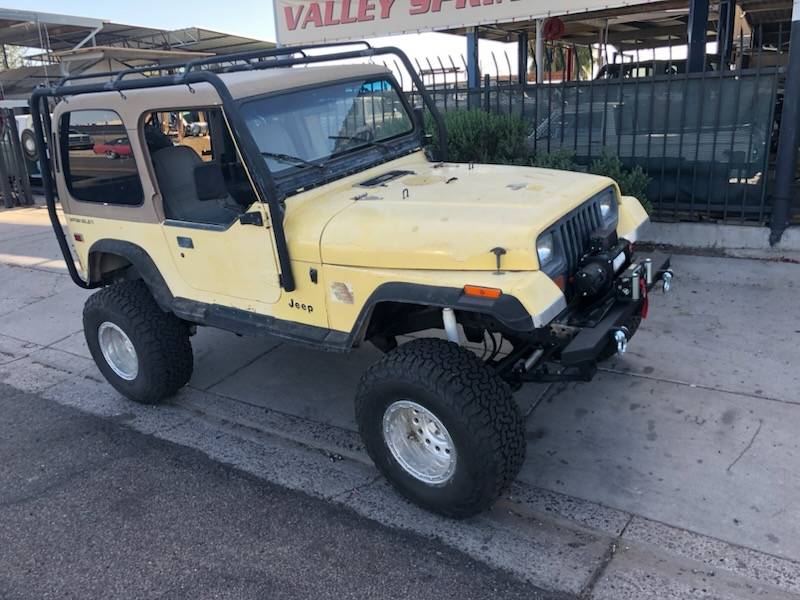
621,339
667,277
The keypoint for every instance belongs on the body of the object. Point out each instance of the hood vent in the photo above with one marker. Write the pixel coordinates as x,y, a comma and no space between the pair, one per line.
383,178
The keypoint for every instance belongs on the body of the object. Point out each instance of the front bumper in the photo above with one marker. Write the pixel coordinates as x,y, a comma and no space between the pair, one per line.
630,298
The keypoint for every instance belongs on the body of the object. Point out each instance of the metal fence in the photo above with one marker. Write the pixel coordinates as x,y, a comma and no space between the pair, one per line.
706,140
14,178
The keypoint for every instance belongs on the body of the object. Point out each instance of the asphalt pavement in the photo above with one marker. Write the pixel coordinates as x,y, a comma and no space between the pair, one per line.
92,509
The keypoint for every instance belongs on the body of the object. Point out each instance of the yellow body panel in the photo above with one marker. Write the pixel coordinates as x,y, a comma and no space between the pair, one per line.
446,217
235,272
425,228
632,216
242,252
535,290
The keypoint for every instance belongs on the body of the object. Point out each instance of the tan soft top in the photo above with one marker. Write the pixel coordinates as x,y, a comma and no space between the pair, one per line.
253,83
241,85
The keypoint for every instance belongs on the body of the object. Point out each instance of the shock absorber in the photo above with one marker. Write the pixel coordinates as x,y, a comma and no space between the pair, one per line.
451,325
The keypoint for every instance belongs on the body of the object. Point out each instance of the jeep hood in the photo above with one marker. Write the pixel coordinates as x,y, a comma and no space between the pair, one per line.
451,217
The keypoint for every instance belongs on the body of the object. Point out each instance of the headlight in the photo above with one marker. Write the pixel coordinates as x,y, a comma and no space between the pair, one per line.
609,209
545,248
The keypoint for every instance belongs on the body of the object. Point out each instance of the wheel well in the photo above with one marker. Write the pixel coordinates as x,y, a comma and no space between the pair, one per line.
397,308
107,267
116,260
390,319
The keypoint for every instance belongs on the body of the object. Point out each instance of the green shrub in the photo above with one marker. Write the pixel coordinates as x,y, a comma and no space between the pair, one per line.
632,182
561,159
481,137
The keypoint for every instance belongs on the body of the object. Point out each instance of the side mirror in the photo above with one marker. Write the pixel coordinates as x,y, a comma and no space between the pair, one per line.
419,118
426,139
433,154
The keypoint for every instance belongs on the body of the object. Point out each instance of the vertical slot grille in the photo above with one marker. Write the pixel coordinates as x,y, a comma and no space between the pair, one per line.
575,231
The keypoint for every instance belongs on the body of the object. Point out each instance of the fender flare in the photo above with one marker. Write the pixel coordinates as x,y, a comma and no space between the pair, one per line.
507,309
141,261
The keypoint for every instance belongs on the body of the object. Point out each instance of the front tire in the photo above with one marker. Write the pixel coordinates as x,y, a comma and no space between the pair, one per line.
441,427
142,351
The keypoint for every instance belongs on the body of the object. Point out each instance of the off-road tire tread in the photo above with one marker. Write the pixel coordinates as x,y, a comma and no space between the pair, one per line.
483,401
162,339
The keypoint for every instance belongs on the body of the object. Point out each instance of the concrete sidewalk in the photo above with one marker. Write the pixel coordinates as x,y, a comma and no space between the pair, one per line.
680,461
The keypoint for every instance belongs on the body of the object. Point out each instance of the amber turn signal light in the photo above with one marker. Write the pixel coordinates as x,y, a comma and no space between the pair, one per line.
477,291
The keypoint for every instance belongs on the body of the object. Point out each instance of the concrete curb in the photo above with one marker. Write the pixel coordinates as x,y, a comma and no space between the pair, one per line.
727,240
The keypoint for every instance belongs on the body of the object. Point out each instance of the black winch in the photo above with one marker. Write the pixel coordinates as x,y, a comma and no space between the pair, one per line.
596,270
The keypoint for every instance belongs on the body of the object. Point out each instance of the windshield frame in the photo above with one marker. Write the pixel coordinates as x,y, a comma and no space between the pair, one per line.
350,160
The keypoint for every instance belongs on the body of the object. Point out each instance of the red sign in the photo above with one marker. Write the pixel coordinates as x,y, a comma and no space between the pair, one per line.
314,21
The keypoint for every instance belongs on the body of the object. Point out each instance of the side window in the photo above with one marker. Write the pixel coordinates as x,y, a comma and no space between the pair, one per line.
199,175
97,158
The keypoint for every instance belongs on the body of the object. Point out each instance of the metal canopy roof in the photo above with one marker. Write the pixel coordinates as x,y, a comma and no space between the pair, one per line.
72,44
648,25
54,33
767,12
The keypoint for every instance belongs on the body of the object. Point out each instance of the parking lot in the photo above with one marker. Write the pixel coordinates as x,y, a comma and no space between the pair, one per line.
672,474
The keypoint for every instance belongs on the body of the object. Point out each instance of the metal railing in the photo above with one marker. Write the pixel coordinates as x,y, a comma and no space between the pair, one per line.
705,140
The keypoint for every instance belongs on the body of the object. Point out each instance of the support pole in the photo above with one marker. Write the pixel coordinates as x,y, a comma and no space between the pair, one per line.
786,160
540,51
727,18
698,24
5,183
473,72
522,58
602,49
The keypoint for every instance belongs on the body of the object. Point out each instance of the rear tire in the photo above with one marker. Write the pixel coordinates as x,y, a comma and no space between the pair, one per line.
142,351
450,389
28,142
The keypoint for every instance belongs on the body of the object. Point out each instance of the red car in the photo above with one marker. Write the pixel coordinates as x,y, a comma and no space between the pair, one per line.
114,148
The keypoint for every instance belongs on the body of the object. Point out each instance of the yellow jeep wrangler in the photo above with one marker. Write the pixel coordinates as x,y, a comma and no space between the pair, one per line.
263,195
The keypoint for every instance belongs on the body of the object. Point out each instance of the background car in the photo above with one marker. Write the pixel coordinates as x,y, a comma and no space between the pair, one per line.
114,148
79,141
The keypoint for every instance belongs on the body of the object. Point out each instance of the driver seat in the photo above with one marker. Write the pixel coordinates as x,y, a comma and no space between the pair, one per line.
193,190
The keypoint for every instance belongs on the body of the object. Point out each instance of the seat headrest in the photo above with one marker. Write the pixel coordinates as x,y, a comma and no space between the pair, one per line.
175,158
156,139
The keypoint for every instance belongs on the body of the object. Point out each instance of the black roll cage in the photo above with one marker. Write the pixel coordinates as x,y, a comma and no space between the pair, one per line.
263,180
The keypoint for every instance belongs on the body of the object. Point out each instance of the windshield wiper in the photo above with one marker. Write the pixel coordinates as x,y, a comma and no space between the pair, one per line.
360,138
289,158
